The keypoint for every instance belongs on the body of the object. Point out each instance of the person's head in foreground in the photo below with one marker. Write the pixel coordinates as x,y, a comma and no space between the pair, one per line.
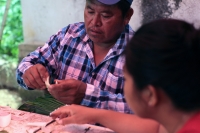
162,74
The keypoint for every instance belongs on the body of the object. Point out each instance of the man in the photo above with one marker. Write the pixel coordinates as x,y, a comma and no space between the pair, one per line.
85,59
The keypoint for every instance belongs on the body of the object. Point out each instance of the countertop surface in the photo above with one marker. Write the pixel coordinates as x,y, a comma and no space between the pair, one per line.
24,122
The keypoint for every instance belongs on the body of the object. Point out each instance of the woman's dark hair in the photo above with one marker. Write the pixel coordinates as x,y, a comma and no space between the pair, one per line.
124,6
166,54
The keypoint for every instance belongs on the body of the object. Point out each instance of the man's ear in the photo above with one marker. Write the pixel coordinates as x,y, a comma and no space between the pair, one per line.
128,16
150,96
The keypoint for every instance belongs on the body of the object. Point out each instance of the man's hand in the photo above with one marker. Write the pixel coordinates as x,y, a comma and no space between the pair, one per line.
35,76
68,91
74,114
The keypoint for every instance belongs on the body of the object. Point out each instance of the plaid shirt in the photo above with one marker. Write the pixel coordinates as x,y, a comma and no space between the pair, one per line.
68,54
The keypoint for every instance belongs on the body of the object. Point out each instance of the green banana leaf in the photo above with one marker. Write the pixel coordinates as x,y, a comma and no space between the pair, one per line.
42,105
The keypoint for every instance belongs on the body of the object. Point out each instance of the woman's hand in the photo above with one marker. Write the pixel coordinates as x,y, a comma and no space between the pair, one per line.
74,114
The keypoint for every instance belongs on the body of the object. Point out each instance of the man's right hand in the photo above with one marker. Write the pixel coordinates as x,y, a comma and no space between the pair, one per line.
35,77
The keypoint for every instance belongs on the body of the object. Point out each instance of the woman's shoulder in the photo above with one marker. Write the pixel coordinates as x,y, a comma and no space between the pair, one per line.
192,125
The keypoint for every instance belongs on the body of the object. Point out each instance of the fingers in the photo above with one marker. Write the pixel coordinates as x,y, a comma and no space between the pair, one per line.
68,91
34,77
63,85
53,92
28,80
72,114
60,85
63,115
66,120
66,96
60,112
58,81
59,115
38,75
42,72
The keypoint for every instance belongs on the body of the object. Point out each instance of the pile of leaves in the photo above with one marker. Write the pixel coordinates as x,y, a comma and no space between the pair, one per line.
42,105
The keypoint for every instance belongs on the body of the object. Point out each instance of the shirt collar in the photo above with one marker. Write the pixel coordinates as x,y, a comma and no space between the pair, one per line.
120,44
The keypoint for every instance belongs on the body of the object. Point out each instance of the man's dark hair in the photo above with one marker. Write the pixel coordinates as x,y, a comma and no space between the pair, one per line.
124,6
166,54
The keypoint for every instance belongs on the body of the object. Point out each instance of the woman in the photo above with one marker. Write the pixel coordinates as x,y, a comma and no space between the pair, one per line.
162,81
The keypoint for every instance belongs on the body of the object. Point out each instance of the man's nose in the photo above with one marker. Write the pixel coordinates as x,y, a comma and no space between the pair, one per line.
96,20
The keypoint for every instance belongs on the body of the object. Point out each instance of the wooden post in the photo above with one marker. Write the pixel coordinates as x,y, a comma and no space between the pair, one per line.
3,24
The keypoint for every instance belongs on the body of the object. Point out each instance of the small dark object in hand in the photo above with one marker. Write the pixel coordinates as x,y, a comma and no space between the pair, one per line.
51,80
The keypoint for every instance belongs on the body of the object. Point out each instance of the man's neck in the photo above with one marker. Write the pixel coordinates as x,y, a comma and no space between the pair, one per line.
100,51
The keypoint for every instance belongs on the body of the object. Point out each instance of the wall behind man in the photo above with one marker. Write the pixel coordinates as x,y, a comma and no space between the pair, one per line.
188,10
42,18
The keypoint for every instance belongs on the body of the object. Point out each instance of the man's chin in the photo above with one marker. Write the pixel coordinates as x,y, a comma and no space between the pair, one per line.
96,39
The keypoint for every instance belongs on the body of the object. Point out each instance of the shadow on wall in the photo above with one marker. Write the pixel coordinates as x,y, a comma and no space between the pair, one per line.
158,9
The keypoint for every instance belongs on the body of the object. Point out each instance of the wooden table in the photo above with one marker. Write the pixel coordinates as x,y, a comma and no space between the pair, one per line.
21,120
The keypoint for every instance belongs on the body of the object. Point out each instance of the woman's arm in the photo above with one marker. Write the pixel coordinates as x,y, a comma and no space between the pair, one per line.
119,122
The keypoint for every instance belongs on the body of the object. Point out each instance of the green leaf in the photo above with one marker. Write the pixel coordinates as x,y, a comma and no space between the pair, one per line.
13,32
42,105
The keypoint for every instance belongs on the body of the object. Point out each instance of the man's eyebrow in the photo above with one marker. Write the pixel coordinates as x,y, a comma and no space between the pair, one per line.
89,7
107,11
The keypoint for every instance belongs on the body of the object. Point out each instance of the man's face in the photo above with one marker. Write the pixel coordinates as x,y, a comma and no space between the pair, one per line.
103,23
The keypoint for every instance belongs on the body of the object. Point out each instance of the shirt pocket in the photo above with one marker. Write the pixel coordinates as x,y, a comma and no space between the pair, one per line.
114,83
